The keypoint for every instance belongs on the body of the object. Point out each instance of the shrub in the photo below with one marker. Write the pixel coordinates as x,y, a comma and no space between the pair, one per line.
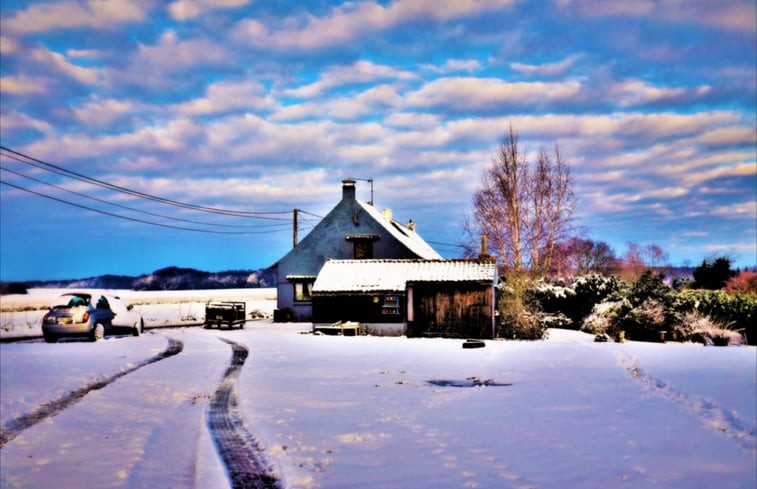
744,283
703,329
518,313
737,312
603,318
576,300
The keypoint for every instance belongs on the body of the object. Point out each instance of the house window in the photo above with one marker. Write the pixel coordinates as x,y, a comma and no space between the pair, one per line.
362,245
303,291
362,249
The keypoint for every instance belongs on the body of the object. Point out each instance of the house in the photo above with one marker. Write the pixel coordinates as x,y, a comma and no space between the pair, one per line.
351,230
453,298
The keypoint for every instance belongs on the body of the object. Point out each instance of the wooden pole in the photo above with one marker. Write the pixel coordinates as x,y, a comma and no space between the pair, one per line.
294,228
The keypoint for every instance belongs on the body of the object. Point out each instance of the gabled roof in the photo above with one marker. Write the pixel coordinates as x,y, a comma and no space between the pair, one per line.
394,275
404,235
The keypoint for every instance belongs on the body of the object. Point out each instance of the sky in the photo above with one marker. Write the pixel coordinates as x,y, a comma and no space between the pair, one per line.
264,107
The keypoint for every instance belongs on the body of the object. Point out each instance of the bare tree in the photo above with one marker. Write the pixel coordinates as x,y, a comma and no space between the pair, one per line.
525,208
583,255
640,258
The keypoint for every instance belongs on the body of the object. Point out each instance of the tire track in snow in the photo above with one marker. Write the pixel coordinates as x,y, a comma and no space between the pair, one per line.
15,426
237,447
727,422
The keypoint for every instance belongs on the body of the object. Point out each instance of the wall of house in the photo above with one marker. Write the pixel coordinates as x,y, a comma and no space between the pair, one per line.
378,308
451,309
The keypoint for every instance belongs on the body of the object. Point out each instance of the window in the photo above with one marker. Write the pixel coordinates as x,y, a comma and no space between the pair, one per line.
362,249
303,291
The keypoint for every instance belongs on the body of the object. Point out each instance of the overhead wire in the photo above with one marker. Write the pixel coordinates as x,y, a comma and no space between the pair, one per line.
154,214
133,219
29,160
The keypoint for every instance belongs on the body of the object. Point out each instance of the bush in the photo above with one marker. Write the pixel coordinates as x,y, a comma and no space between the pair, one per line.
744,283
576,300
736,312
603,318
703,329
518,313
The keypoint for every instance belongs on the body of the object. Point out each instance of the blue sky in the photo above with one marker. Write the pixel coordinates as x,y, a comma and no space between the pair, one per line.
266,106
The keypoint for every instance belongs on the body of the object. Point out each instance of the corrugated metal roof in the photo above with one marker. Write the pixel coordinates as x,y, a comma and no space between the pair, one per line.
393,275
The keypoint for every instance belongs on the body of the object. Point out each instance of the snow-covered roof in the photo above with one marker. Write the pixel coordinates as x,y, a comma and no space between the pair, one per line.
393,275
404,234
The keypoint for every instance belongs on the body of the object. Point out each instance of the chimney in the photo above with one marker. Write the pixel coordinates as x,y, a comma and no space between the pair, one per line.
387,214
484,247
348,189
411,225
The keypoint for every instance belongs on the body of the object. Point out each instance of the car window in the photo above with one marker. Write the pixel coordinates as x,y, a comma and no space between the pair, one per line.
102,303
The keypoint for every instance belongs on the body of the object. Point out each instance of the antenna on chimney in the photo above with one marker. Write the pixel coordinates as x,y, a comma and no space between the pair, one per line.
369,180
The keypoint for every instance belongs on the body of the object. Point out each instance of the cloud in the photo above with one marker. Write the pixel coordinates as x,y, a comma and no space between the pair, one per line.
454,65
355,20
17,120
226,96
360,72
172,54
545,69
639,92
189,9
735,15
98,112
94,14
22,85
82,74
467,93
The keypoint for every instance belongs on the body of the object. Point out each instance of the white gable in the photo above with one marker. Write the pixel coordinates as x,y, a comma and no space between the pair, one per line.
403,234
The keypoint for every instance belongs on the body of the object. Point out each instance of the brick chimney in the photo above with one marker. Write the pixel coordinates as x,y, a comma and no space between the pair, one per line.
348,189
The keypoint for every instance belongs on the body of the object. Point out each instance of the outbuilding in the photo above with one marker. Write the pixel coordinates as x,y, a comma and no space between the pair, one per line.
450,298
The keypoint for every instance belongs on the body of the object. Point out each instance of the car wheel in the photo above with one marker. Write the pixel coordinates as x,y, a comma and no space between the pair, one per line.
50,338
98,332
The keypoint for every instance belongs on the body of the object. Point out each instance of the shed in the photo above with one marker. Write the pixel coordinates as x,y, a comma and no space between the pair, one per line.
452,298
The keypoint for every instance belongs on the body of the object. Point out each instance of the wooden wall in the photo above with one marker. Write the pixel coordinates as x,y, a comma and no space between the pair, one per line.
450,309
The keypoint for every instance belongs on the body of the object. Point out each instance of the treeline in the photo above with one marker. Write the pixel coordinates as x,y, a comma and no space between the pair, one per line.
169,278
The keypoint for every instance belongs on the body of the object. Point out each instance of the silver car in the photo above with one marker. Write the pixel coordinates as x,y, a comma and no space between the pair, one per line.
82,314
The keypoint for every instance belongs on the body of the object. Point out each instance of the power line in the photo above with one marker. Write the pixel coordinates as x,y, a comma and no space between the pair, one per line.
154,214
133,219
78,176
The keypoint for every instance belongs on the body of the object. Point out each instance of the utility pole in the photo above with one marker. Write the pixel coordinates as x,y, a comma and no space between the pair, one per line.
294,228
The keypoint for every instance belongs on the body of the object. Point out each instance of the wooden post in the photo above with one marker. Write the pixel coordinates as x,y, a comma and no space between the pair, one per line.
294,228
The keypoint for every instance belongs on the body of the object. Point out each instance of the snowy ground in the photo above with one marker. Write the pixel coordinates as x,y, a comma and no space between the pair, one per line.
373,412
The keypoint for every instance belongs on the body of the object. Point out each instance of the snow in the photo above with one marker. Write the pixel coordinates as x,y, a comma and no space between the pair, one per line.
345,412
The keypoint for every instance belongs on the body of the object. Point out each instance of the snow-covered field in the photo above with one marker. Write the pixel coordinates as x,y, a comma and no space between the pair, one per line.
381,412
21,315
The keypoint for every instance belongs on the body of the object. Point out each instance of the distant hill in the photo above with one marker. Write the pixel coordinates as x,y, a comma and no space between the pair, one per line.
170,278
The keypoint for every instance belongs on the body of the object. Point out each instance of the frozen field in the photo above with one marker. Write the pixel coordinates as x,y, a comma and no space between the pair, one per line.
379,412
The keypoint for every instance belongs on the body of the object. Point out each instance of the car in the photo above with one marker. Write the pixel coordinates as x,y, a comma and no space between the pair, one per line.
91,316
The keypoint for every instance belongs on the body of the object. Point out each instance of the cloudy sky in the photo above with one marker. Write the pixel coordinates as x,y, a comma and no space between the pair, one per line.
263,107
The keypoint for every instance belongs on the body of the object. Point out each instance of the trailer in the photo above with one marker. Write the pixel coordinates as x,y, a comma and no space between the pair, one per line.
229,314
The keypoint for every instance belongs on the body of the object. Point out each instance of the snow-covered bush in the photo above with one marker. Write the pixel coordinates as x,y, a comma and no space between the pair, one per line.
703,329
576,300
603,318
738,312
518,312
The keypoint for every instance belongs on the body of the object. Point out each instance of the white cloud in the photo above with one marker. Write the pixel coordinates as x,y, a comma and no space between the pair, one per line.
98,112
359,72
467,93
17,120
86,75
224,96
189,9
545,69
353,20
454,65
636,92
22,85
172,54
95,14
